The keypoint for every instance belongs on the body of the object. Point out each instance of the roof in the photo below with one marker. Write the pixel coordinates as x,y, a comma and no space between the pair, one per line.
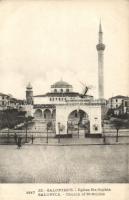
61,84
120,97
59,94
1,94
29,86
64,94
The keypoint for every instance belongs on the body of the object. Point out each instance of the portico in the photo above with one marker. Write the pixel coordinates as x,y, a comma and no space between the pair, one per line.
93,112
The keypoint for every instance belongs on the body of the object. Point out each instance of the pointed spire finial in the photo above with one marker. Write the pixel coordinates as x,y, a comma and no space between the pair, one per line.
100,26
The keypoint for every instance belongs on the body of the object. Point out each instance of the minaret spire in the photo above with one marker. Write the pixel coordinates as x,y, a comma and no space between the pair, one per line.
100,48
100,26
100,33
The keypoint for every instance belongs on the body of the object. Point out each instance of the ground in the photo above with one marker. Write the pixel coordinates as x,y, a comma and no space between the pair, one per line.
64,164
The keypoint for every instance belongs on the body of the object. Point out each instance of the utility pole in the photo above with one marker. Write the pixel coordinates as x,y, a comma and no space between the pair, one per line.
78,129
47,133
26,129
59,132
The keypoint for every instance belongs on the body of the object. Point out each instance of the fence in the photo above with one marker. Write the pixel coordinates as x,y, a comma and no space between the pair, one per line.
11,137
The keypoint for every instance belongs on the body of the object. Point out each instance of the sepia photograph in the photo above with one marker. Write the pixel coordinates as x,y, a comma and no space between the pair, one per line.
64,91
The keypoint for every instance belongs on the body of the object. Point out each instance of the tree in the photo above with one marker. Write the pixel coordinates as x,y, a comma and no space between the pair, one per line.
117,123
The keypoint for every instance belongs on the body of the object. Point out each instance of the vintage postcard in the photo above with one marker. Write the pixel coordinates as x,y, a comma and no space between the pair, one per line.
64,99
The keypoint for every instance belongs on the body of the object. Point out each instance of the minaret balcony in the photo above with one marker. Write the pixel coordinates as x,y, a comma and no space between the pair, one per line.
100,46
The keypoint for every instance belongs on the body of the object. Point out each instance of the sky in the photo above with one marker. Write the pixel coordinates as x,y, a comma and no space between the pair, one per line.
44,41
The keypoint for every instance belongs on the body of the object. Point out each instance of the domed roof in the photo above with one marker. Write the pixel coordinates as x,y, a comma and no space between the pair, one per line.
29,86
61,84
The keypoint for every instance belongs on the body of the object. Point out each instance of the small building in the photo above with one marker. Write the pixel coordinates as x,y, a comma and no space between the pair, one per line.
4,101
119,104
7,101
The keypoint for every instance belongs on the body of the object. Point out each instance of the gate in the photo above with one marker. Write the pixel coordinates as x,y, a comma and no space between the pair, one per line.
78,124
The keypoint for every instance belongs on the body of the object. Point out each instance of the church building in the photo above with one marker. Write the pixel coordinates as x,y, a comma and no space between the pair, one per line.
68,110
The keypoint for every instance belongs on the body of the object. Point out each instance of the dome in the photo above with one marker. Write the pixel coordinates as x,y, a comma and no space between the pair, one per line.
29,86
61,84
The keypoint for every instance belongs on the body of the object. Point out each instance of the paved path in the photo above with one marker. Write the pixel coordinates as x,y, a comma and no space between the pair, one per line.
64,164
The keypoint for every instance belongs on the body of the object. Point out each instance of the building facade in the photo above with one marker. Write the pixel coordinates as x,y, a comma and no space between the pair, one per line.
67,110
4,101
9,102
119,104
60,92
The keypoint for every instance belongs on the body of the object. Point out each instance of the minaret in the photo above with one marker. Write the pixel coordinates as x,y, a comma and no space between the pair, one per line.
100,48
29,94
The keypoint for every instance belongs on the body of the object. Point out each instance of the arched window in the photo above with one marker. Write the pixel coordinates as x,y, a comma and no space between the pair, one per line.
55,90
67,90
61,90
47,114
38,113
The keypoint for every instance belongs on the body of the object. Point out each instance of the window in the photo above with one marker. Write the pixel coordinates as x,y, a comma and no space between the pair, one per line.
59,99
67,90
50,99
55,90
61,90
116,100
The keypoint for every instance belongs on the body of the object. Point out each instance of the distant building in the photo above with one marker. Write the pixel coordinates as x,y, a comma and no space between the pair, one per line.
4,101
16,103
7,101
119,104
